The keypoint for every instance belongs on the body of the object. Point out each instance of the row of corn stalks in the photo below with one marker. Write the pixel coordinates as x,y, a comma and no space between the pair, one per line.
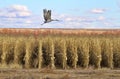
59,52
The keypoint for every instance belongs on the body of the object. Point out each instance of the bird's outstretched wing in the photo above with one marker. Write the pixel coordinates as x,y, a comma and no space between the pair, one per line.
49,15
45,14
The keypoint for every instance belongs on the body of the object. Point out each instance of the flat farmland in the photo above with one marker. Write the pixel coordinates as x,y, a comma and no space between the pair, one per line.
59,74
59,53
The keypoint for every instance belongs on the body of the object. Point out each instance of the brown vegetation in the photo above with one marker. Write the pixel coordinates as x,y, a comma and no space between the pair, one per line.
59,54
57,48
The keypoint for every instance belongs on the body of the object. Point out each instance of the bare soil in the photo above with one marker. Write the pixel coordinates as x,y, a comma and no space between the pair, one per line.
59,74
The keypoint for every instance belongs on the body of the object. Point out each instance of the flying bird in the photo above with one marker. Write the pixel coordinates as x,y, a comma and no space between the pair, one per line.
47,16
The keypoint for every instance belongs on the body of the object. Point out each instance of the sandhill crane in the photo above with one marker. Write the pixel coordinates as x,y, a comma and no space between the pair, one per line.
47,16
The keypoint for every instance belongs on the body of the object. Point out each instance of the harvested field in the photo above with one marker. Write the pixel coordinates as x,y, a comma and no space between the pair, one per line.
59,74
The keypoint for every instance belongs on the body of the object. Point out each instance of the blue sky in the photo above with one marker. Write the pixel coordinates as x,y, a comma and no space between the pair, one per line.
71,13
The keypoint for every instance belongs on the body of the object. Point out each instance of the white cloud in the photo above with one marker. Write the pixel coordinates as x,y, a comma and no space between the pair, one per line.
101,18
19,8
15,16
98,11
15,11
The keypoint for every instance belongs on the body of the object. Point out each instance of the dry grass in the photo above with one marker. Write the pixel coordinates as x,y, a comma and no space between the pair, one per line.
1,40
31,52
60,51
83,52
19,52
8,50
116,52
107,53
72,56
95,53
59,74
40,53
48,52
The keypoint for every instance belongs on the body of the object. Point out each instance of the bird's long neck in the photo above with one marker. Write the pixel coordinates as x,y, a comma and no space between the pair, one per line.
54,20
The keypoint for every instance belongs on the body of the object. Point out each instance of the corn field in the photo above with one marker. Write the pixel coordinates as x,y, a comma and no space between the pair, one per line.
57,51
